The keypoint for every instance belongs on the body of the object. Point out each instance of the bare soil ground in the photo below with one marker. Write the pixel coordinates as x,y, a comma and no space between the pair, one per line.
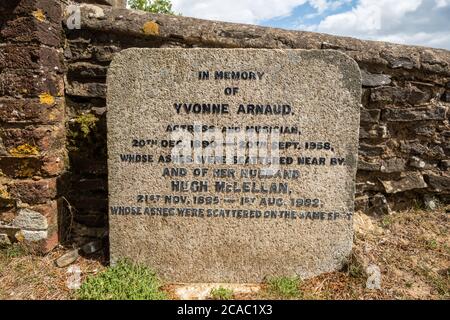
411,248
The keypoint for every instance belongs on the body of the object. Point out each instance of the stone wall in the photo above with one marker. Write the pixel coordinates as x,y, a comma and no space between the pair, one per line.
404,138
32,122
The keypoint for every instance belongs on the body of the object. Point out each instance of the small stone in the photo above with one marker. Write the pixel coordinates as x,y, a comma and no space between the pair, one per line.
417,163
404,63
410,181
439,183
430,202
370,150
67,258
393,165
374,277
4,239
30,220
414,147
374,80
99,111
380,205
31,236
92,247
368,166
414,114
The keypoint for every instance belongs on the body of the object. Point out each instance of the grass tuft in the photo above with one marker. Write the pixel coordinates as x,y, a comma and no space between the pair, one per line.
124,281
222,293
15,250
284,287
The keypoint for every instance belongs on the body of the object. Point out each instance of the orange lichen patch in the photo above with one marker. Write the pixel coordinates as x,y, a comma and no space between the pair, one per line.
40,15
19,236
24,150
46,98
151,28
4,194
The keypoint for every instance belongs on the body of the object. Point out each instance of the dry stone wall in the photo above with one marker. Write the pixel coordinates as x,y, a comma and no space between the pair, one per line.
32,121
404,154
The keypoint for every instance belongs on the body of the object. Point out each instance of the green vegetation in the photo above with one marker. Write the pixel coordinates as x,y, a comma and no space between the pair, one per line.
87,122
15,250
386,222
124,281
284,287
155,6
222,293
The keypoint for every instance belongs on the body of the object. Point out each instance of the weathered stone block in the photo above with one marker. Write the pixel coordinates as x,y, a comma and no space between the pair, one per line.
90,90
413,147
30,57
34,192
53,164
49,211
410,95
414,114
374,80
374,132
49,243
31,236
320,78
47,10
426,130
20,167
370,115
33,140
393,165
20,83
368,166
87,70
438,182
113,3
30,220
371,150
31,30
47,110
410,181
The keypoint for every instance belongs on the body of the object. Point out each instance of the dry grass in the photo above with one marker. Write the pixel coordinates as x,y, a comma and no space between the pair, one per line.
24,276
412,250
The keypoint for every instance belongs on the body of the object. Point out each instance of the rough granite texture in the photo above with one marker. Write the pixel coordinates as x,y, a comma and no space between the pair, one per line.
324,90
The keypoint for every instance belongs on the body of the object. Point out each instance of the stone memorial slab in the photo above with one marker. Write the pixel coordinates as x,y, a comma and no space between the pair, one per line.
232,165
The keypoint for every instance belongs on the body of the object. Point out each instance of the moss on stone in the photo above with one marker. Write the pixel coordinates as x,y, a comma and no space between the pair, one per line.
87,122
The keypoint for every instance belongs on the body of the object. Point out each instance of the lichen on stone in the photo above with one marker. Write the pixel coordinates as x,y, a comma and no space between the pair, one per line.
151,28
24,150
40,15
46,98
